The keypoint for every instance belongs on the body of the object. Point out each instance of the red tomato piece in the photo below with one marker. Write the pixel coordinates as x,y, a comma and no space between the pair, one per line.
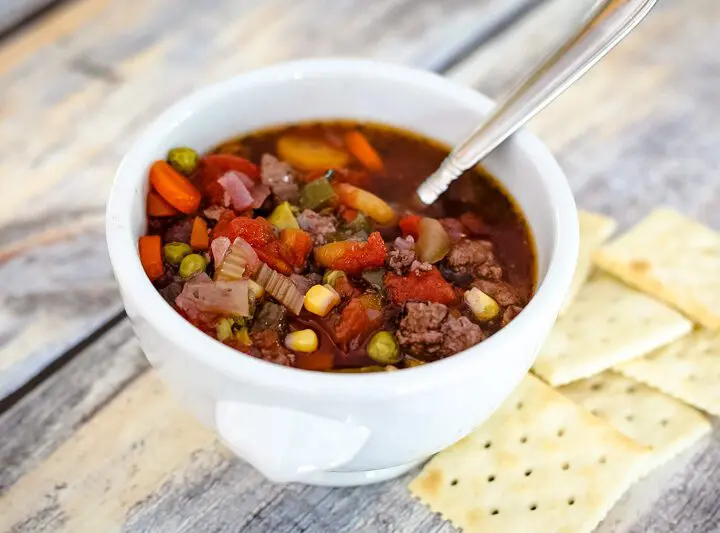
410,225
419,286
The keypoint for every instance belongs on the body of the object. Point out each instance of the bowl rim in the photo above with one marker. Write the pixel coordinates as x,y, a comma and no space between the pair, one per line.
135,284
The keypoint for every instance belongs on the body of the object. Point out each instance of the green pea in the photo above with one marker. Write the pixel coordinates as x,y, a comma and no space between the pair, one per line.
331,276
383,348
183,159
192,264
223,329
175,251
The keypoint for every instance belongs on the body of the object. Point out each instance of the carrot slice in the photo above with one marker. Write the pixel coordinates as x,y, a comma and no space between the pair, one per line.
157,207
175,188
199,239
150,247
318,360
361,148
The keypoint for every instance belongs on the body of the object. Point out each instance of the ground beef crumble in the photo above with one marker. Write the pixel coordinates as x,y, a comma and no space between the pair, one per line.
401,255
268,344
429,331
320,227
476,257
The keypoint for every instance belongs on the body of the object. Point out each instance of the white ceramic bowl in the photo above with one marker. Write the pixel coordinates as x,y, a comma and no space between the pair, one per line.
324,428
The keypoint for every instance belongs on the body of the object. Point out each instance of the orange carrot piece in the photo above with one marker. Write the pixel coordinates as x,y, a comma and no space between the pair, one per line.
175,188
199,239
318,360
361,148
150,247
157,207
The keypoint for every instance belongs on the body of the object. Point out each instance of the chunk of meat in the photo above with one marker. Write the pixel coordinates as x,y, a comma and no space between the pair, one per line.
320,227
476,257
271,349
179,231
279,176
474,225
401,255
429,331
454,228
417,267
502,292
510,313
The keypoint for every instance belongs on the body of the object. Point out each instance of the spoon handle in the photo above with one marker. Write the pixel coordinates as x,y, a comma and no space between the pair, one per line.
606,25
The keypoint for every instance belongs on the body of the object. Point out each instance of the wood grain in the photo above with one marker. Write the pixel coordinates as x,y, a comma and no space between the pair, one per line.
13,12
636,132
87,80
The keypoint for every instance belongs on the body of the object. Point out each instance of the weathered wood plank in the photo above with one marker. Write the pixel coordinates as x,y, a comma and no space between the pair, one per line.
13,12
96,72
599,142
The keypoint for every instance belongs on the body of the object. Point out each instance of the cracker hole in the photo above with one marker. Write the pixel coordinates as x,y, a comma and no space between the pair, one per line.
487,445
604,340
519,406
629,418
631,389
566,466
533,506
523,439
491,479
571,501
692,377
494,512
454,482
602,460
664,422
560,432
595,386
595,412
528,472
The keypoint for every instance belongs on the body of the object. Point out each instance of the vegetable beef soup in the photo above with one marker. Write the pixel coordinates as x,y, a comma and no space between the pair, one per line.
297,245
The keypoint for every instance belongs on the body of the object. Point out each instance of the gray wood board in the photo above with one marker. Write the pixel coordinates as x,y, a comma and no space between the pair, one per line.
89,77
635,133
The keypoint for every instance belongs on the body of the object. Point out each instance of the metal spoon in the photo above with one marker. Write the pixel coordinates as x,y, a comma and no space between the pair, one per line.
608,22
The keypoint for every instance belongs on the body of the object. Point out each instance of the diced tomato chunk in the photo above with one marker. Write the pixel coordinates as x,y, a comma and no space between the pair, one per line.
360,316
256,231
353,257
295,246
410,225
427,286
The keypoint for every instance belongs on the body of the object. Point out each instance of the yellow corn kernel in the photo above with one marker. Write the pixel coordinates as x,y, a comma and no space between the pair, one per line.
482,305
257,290
320,299
243,337
304,340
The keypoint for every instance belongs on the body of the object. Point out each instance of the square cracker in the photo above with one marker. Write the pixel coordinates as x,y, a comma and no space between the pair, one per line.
607,324
688,369
671,257
644,414
594,230
539,463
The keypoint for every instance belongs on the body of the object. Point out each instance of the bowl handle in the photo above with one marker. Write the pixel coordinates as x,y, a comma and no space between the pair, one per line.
285,444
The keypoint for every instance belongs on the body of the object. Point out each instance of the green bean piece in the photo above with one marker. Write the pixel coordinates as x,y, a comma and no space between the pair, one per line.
183,159
331,276
316,194
223,329
192,264
383,348
174,252
375,278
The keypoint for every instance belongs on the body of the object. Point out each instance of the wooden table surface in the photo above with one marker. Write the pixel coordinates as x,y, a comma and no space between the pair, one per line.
90,440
